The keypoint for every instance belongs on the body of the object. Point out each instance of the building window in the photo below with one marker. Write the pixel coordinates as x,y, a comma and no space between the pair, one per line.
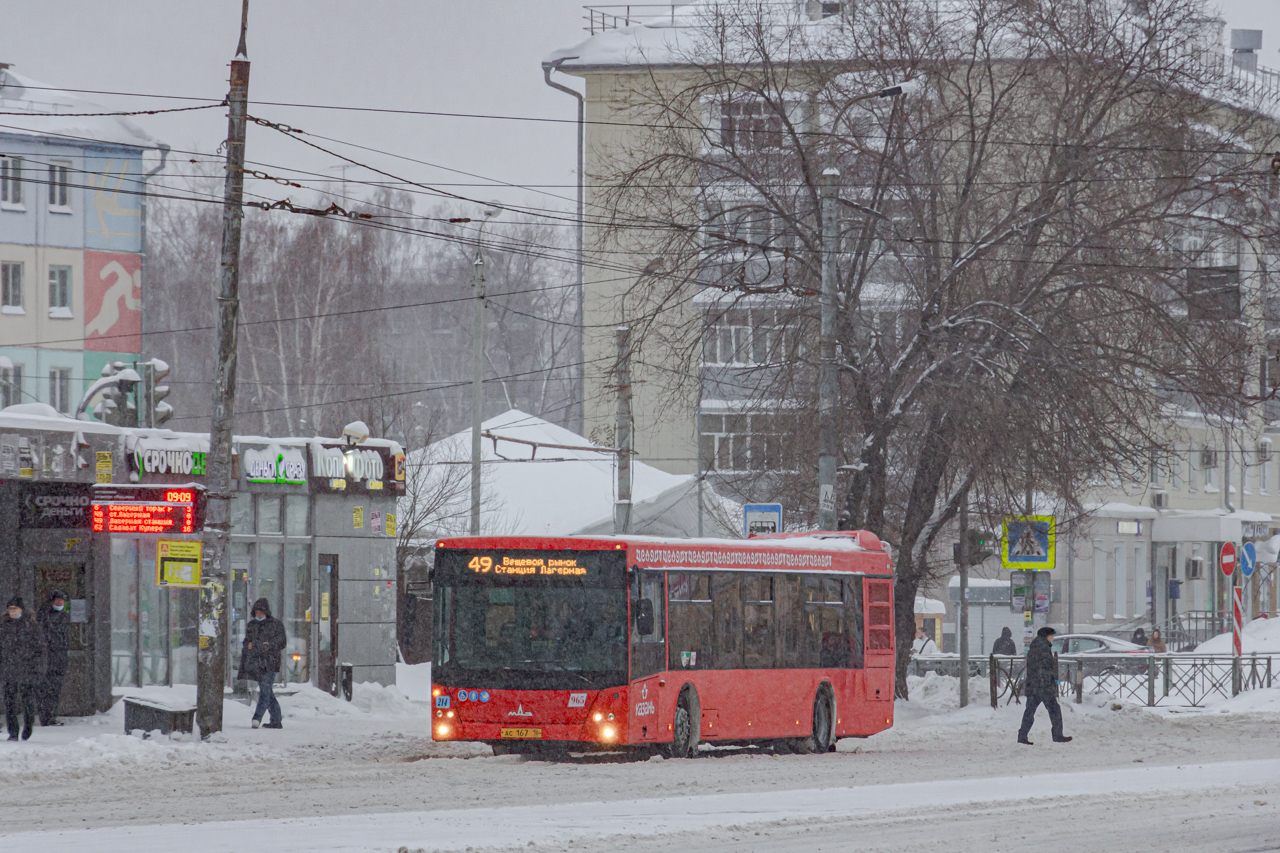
60,291
746,337
11,385
60,389
11,287
10,180
750,126
59,184
740,442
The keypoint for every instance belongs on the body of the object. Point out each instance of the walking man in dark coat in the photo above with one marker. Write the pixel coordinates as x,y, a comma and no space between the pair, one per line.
55,624
1004,645
264,640
22,657
1042,687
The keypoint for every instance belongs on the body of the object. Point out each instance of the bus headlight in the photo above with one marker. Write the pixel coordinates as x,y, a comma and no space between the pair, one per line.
442,731
610,717
608,733
599,716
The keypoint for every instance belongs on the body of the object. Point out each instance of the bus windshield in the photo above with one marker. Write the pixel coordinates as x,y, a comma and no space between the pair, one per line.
508,620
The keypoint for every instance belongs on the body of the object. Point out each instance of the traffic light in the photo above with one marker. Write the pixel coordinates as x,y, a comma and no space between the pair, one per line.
157,411
981,544
116,406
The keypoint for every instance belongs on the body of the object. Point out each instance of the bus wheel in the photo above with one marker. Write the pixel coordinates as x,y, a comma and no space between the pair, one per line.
684,741
823,726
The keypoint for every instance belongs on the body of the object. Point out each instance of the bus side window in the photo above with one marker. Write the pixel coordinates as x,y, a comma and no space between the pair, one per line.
758,621
726,604
689,639
647,654
853,612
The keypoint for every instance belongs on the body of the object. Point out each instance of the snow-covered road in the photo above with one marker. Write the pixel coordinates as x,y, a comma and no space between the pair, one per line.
738,814
366,776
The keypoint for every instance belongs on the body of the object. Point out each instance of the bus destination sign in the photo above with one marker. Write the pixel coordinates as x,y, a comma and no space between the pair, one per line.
147,511
518,567
508,565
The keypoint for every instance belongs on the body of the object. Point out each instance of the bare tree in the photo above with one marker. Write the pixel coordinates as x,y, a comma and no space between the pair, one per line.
368,318
1021,297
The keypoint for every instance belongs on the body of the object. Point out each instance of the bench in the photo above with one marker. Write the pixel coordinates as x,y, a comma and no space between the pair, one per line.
150,715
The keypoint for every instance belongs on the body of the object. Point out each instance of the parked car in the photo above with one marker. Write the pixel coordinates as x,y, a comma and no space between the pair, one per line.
1100,644
1095,644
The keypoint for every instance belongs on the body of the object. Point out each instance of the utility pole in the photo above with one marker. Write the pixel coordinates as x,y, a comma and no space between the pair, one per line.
827,357
964,602
622,423
477,388
211,657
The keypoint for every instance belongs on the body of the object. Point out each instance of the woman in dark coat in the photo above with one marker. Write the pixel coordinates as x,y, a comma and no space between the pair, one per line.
264,641
22,667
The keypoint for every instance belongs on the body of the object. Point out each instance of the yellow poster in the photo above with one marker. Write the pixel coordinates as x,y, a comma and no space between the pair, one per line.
103,462
357,517
391,525
178,562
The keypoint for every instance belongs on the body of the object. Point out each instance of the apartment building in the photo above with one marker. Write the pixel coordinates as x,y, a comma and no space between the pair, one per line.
72,226
1146,552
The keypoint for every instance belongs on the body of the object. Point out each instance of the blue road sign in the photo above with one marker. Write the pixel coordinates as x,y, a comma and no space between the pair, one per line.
1248,559
761,518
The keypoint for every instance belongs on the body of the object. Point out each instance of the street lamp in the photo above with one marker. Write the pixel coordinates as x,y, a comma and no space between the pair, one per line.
477,368
827,382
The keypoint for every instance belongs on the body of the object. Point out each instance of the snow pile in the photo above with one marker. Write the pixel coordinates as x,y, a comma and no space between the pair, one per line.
942,692
371,699
1260,635
120,752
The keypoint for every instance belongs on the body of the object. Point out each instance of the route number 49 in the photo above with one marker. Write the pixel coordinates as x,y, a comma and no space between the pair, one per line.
480,564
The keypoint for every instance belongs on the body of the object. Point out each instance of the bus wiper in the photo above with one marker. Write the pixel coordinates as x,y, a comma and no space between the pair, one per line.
558,666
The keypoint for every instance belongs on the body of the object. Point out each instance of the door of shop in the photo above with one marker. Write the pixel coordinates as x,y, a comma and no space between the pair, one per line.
70,578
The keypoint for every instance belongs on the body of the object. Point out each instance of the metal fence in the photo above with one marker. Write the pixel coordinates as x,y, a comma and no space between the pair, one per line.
1154,680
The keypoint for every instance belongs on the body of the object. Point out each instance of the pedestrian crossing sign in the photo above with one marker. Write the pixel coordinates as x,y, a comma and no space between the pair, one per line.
1028,542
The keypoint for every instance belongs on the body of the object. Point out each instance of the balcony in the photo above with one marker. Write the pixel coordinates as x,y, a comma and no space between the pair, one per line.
613,16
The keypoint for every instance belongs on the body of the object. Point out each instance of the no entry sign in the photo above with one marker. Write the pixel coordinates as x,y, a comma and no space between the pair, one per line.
1227,558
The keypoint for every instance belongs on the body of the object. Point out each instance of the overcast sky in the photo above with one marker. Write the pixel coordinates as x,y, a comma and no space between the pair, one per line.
452,56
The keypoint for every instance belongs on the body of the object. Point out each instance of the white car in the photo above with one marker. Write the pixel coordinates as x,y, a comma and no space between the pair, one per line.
1095,644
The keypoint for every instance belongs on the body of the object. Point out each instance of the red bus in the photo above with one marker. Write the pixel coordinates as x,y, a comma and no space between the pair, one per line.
551,645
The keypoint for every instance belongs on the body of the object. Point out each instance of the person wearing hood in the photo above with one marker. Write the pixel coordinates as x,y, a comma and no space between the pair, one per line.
1042,687
1004,644
22,666
264,641
55,624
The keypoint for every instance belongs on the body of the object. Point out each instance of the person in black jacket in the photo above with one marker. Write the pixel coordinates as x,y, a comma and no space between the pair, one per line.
1042,686
22,657
1004,644
264,640
55,624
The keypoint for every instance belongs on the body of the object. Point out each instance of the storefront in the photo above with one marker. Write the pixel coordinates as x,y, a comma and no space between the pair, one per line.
48,465
114,517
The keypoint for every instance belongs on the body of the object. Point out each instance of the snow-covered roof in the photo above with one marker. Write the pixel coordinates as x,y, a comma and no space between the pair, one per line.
991,583
683,35
533,487
1120,510
41,416
23,95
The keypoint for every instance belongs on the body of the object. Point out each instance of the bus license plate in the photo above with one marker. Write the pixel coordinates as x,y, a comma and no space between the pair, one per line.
521,733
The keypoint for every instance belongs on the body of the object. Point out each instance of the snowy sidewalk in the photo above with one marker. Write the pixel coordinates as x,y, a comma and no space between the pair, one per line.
458,829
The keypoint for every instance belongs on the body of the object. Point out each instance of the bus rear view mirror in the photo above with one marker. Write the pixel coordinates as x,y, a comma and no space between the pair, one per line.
644,617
